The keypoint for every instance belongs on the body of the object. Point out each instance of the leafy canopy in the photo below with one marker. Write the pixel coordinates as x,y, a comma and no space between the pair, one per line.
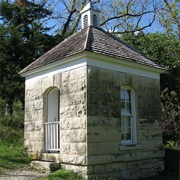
23,39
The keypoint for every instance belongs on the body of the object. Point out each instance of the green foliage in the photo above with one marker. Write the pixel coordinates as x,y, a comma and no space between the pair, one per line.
169,17
164,50
15,120
11,149
23,39
63,174
170,116
11,135
172,145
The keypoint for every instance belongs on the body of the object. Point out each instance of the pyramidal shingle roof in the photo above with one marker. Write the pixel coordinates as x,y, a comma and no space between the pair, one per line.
95,40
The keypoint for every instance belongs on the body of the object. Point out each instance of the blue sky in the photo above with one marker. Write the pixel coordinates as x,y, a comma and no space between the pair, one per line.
59,8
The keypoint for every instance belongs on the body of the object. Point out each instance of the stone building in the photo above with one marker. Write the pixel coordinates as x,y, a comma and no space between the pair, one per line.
92,104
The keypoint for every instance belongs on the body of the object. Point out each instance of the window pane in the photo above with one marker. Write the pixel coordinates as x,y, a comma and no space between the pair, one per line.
128,95
127,116
122,107
122,95
128,108
128,122
125,127
128,128
122,128
128,136
122,123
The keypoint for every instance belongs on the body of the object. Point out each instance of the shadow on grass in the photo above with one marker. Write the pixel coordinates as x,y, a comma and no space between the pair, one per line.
166,175
172,166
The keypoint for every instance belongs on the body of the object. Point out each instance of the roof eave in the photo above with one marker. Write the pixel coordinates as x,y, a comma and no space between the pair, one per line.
49,66
159,70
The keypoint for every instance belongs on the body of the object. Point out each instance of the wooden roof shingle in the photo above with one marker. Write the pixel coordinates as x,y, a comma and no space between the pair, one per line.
95,40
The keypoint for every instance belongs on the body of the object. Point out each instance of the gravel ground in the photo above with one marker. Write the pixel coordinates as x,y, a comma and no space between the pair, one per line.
22,174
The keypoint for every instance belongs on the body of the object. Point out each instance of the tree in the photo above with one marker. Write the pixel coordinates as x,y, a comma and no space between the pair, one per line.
119,17
164,50
169,17
170,116
23,39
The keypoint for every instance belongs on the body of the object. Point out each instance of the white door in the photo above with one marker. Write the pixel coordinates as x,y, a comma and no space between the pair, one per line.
52,126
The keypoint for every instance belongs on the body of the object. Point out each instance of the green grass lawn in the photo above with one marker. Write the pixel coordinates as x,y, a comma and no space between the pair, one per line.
11,149
69,175
62,174
12,157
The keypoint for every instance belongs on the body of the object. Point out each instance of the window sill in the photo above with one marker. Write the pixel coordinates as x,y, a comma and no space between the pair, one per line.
130,147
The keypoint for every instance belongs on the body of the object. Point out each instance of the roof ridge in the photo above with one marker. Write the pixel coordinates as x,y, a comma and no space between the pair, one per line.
86,44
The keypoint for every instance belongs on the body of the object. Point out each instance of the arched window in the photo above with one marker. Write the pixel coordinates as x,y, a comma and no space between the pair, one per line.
85,20
128,116
95,20
53,105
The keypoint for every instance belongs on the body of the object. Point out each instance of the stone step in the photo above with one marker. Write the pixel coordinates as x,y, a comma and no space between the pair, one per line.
50,157
45,165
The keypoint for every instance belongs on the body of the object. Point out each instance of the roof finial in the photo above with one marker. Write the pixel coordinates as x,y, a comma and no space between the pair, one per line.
90,16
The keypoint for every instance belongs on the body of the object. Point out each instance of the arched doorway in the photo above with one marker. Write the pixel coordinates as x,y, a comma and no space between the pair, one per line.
53,105
52,140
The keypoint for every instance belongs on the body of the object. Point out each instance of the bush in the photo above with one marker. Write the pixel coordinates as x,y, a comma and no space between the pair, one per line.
11,135
16,120
172,145
170,116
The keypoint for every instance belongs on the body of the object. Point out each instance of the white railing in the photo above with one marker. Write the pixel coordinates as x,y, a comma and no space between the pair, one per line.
52,136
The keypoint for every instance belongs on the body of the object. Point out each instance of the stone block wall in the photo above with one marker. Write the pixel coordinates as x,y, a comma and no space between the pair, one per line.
73,119
33,123
72,114
90,122
36,90
106,156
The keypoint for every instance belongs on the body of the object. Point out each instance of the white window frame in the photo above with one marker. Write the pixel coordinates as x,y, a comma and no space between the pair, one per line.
132,115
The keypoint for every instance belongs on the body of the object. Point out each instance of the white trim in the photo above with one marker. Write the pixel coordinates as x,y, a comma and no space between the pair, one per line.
62,63
130,147
96,60
58,69
126,66
133,140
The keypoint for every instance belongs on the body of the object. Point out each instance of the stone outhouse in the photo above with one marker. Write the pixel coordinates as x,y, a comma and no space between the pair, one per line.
92,104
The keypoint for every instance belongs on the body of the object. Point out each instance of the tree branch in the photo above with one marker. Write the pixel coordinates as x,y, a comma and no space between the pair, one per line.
125,15
71,12
136,28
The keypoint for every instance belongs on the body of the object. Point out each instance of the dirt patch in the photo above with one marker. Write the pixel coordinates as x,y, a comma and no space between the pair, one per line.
22,174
